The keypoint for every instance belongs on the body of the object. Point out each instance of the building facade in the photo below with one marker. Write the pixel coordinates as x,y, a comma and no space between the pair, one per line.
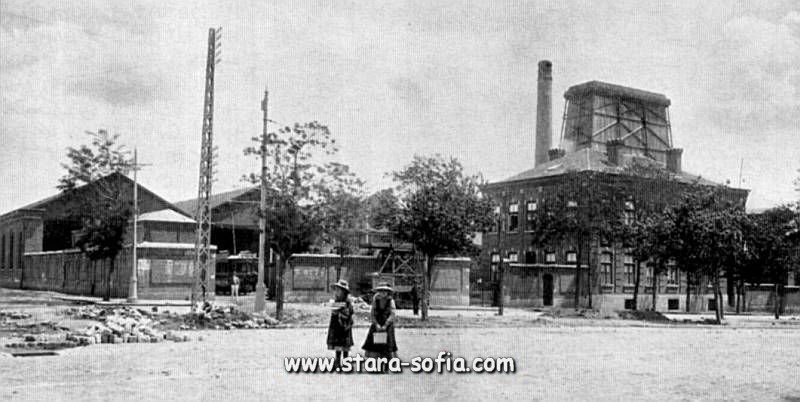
606,128
37,247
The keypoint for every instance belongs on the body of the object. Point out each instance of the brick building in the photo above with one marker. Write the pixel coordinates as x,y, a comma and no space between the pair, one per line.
37,247
605,128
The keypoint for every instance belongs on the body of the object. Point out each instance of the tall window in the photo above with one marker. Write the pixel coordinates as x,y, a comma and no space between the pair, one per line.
495,264
628,212
606,268
530,215
21,252
513,217
648,275
572,257
3,252
630,269
530,256
672,273
513,256
496,225
550,257
11,251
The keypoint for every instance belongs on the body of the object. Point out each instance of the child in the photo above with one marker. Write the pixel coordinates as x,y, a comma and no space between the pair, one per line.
340,330
382,323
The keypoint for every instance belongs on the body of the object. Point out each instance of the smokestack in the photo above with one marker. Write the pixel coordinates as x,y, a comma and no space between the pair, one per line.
544,112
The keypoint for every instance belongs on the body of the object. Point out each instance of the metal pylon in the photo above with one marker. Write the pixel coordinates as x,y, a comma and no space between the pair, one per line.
204,259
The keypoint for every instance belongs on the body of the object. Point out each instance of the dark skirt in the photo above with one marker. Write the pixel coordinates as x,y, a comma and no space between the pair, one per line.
386,349
339,336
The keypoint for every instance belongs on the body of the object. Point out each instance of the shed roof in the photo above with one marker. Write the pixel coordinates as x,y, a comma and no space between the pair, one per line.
190,206
47,202
164,215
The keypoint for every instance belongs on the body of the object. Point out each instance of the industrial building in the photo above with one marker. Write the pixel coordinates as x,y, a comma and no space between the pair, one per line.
605,127
37,247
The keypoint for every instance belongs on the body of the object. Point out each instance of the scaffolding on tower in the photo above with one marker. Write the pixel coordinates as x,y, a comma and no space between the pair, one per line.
204,260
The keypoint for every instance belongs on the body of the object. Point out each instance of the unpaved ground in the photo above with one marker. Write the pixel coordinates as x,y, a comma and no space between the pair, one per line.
753,358
578,363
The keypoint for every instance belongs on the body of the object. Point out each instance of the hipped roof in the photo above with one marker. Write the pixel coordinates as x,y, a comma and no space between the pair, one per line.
588,160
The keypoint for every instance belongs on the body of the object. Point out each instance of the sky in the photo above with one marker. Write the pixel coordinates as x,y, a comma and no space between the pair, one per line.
391,79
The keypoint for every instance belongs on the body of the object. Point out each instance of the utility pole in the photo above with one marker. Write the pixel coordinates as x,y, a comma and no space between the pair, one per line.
204,261
262,221
501,301
133,295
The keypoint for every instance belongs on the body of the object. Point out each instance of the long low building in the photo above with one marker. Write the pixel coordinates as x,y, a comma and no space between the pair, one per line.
37,247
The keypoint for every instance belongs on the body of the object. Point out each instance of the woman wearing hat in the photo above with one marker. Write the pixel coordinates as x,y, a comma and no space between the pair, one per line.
340,330
380,340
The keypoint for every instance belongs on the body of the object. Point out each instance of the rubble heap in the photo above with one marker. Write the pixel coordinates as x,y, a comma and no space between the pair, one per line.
226,318
14,315
120,325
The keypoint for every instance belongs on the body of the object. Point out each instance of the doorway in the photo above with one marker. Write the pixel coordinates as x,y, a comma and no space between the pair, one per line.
547,290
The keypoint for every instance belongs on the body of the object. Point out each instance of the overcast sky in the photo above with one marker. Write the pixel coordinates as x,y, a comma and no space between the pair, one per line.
391,79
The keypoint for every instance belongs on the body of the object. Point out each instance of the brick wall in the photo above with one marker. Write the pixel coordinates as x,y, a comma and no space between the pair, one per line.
162,273
308,277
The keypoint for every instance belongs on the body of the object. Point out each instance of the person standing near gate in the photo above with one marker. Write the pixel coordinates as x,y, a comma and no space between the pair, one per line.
235,287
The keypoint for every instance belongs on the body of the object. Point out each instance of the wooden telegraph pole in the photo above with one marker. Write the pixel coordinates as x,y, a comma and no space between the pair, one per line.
260,302
133,295
501,301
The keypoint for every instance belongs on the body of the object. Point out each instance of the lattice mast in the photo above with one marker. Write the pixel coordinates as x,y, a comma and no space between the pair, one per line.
204,259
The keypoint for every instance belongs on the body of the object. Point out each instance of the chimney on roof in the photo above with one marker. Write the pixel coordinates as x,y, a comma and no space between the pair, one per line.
674,156
614,151
556,153
544,108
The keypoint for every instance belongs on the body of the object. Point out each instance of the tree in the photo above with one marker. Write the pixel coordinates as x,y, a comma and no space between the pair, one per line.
302,186
707,237
585,208
106,207
647,237
436,207
644,231
343,217
770,242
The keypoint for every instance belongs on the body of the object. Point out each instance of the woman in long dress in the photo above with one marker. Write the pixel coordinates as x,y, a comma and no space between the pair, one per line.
382,323
340,330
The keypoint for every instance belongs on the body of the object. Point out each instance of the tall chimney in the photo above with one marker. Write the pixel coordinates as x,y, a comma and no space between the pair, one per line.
544,108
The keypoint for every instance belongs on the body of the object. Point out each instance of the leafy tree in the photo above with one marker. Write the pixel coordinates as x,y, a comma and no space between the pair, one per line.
302,184
106,207
435,206
344,215
707,237
585,208
770,242
644,230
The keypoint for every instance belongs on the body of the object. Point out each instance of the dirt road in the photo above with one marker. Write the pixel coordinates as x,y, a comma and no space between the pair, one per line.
575,363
